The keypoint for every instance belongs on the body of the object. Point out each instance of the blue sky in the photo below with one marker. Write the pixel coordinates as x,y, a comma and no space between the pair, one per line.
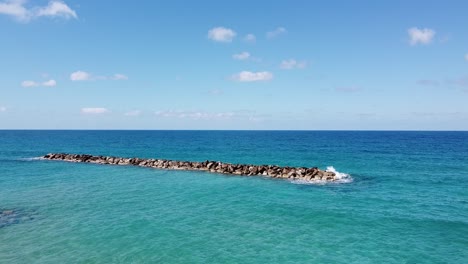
392,65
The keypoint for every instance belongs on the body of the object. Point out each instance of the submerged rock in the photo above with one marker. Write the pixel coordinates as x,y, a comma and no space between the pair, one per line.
10,217
299,173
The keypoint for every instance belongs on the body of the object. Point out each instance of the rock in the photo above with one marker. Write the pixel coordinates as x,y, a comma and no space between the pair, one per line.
292,174
309,174
253,170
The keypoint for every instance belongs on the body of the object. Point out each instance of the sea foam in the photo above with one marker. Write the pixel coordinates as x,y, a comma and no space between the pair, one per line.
341,177
32,159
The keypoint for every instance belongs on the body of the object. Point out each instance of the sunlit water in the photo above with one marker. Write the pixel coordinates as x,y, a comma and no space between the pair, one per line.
407,200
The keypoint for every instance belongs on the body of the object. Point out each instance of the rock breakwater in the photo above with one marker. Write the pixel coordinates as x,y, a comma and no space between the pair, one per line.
293,173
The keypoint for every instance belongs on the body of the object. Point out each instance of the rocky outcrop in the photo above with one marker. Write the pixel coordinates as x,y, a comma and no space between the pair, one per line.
293,173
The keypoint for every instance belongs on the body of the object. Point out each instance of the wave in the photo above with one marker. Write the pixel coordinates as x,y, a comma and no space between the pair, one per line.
341,178
31,159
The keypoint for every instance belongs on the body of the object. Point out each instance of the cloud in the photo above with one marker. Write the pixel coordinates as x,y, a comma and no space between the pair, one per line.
247,76
29,84
432,115
293,64
17,10
278,31
80,76
250,38
49,83
466,57
221,34
85,76
246,115
195,115
432,83
56,9
366,115
461,82
133,113
349,89
94,110
241,56
3,109
420,36
216,91
119,77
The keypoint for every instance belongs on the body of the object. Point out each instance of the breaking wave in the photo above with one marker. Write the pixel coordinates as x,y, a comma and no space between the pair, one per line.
31,159
342,177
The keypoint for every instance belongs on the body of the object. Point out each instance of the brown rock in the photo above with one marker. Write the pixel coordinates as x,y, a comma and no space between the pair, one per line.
311,174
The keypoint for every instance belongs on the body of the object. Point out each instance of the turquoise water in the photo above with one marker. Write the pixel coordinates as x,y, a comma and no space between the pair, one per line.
408,202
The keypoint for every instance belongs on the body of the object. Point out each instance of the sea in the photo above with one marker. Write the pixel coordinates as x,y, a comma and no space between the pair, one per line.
406,200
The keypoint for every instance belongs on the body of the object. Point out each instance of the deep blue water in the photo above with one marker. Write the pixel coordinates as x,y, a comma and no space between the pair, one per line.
408,202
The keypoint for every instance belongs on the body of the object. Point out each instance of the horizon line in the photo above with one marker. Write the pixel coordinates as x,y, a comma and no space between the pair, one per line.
246,130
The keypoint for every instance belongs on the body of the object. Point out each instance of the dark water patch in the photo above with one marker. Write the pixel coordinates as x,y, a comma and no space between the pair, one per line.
19,160
15,216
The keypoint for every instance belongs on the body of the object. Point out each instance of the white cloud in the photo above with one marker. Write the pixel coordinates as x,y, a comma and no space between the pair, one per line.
348,89
292,64
278,31
80,76
29,84
241,56
49,83
246,115
133,113
17,10
195,115
56,9
119,77
216,91
466,57
427,82
461,82
85,76
221,34
247,76
3,109
420,36
250,38
94,110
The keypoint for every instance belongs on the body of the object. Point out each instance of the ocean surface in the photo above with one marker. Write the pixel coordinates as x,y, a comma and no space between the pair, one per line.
407,203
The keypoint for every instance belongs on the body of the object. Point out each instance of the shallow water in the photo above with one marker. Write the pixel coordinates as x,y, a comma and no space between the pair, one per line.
408,202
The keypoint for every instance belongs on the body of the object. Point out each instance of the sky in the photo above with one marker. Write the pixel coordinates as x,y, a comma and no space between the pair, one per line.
248,65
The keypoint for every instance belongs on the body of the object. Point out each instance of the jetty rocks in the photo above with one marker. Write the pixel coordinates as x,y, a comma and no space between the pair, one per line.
292,173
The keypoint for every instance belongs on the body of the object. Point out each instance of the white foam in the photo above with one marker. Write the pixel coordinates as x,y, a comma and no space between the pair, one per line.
312,182
340,176
32,159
